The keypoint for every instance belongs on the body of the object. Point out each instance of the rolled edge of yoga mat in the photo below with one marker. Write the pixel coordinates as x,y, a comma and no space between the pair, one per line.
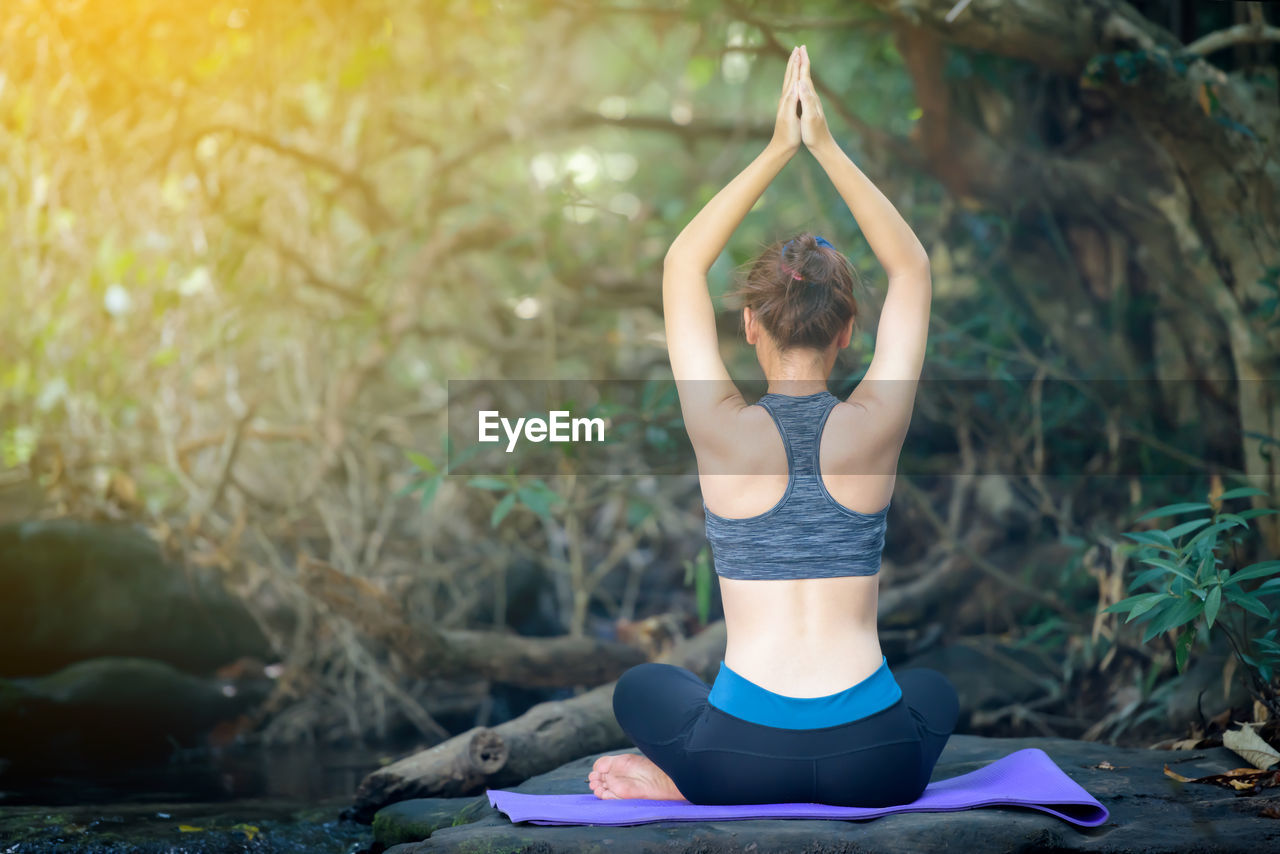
1025,778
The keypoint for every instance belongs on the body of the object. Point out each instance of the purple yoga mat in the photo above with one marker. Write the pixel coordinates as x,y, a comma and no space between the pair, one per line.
1024,778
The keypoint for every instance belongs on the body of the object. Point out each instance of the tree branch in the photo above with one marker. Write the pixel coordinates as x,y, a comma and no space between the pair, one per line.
1251,33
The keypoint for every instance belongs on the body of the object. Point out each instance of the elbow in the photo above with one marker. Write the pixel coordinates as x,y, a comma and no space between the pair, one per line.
916,267
919,264
680,258
674,259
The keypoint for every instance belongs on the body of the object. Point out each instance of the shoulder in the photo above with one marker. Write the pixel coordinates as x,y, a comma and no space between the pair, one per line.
859,431
739,438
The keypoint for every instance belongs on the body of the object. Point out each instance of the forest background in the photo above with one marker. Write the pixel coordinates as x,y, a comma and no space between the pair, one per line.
248,246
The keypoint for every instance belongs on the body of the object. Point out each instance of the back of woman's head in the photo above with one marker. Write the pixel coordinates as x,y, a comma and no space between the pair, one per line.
801,292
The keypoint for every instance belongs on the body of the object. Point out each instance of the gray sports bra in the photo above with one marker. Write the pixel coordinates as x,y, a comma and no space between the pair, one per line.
807,534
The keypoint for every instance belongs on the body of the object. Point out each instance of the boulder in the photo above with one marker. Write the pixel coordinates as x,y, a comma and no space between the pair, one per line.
1150,814
110,710
72,590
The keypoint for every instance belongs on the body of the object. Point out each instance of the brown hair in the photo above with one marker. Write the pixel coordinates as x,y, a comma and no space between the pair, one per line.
801,292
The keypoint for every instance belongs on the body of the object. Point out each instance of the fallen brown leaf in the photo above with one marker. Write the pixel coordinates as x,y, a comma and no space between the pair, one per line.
1247,744
1251,780
1186,744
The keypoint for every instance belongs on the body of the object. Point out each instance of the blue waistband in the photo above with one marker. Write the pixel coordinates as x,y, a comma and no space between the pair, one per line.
742,698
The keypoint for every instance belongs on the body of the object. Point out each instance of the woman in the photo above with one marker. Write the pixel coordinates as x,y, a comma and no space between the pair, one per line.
795,489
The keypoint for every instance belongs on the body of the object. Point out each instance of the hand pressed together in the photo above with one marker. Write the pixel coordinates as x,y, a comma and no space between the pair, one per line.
800,117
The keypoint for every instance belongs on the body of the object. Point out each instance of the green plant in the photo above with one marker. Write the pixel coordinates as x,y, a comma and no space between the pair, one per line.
698,572
1198,582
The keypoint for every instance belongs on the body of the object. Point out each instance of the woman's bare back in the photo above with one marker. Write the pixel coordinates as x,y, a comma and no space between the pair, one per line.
805,637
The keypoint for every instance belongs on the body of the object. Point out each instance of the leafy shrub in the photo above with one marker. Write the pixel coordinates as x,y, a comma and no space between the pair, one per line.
1194,581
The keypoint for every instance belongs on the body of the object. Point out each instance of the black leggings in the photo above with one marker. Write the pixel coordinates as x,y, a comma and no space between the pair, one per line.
715,758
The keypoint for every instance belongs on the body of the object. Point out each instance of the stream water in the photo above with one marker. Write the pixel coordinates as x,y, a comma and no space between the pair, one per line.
238,799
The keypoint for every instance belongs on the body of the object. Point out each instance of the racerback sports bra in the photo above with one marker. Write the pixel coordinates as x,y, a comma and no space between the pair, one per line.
807,534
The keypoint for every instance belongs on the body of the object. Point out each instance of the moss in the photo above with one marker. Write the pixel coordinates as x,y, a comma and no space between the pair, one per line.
415,820
393,830
471,811
491,846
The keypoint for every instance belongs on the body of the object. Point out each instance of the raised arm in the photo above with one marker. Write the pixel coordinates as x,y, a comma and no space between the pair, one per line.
890,381
702,380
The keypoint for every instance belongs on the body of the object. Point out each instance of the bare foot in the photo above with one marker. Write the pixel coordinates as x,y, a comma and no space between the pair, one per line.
631,775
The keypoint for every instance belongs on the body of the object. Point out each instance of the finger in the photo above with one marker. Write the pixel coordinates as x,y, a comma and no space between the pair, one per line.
807,92
804,66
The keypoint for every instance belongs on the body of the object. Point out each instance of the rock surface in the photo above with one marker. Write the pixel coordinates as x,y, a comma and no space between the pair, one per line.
76,589
1150,814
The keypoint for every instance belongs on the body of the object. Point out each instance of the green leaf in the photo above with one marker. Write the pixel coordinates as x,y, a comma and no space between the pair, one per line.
1184,611
429,490
1133,602
1256,570
1212,530
1160,609
1144,607
1174,510
410,488
1158,539
501,509
638,511
459,458
422,461
1186,528
1169,567
1241,492
1268,588
1249,602
1208,568
538,498
1182,647
702,591
1146,577
1255,512
1212,604
490,483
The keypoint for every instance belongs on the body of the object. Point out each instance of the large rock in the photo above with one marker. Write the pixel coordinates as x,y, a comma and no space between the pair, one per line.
111,710
71,590
1150,813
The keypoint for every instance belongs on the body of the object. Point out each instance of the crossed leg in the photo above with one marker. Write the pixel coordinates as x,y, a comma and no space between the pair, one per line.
654,704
